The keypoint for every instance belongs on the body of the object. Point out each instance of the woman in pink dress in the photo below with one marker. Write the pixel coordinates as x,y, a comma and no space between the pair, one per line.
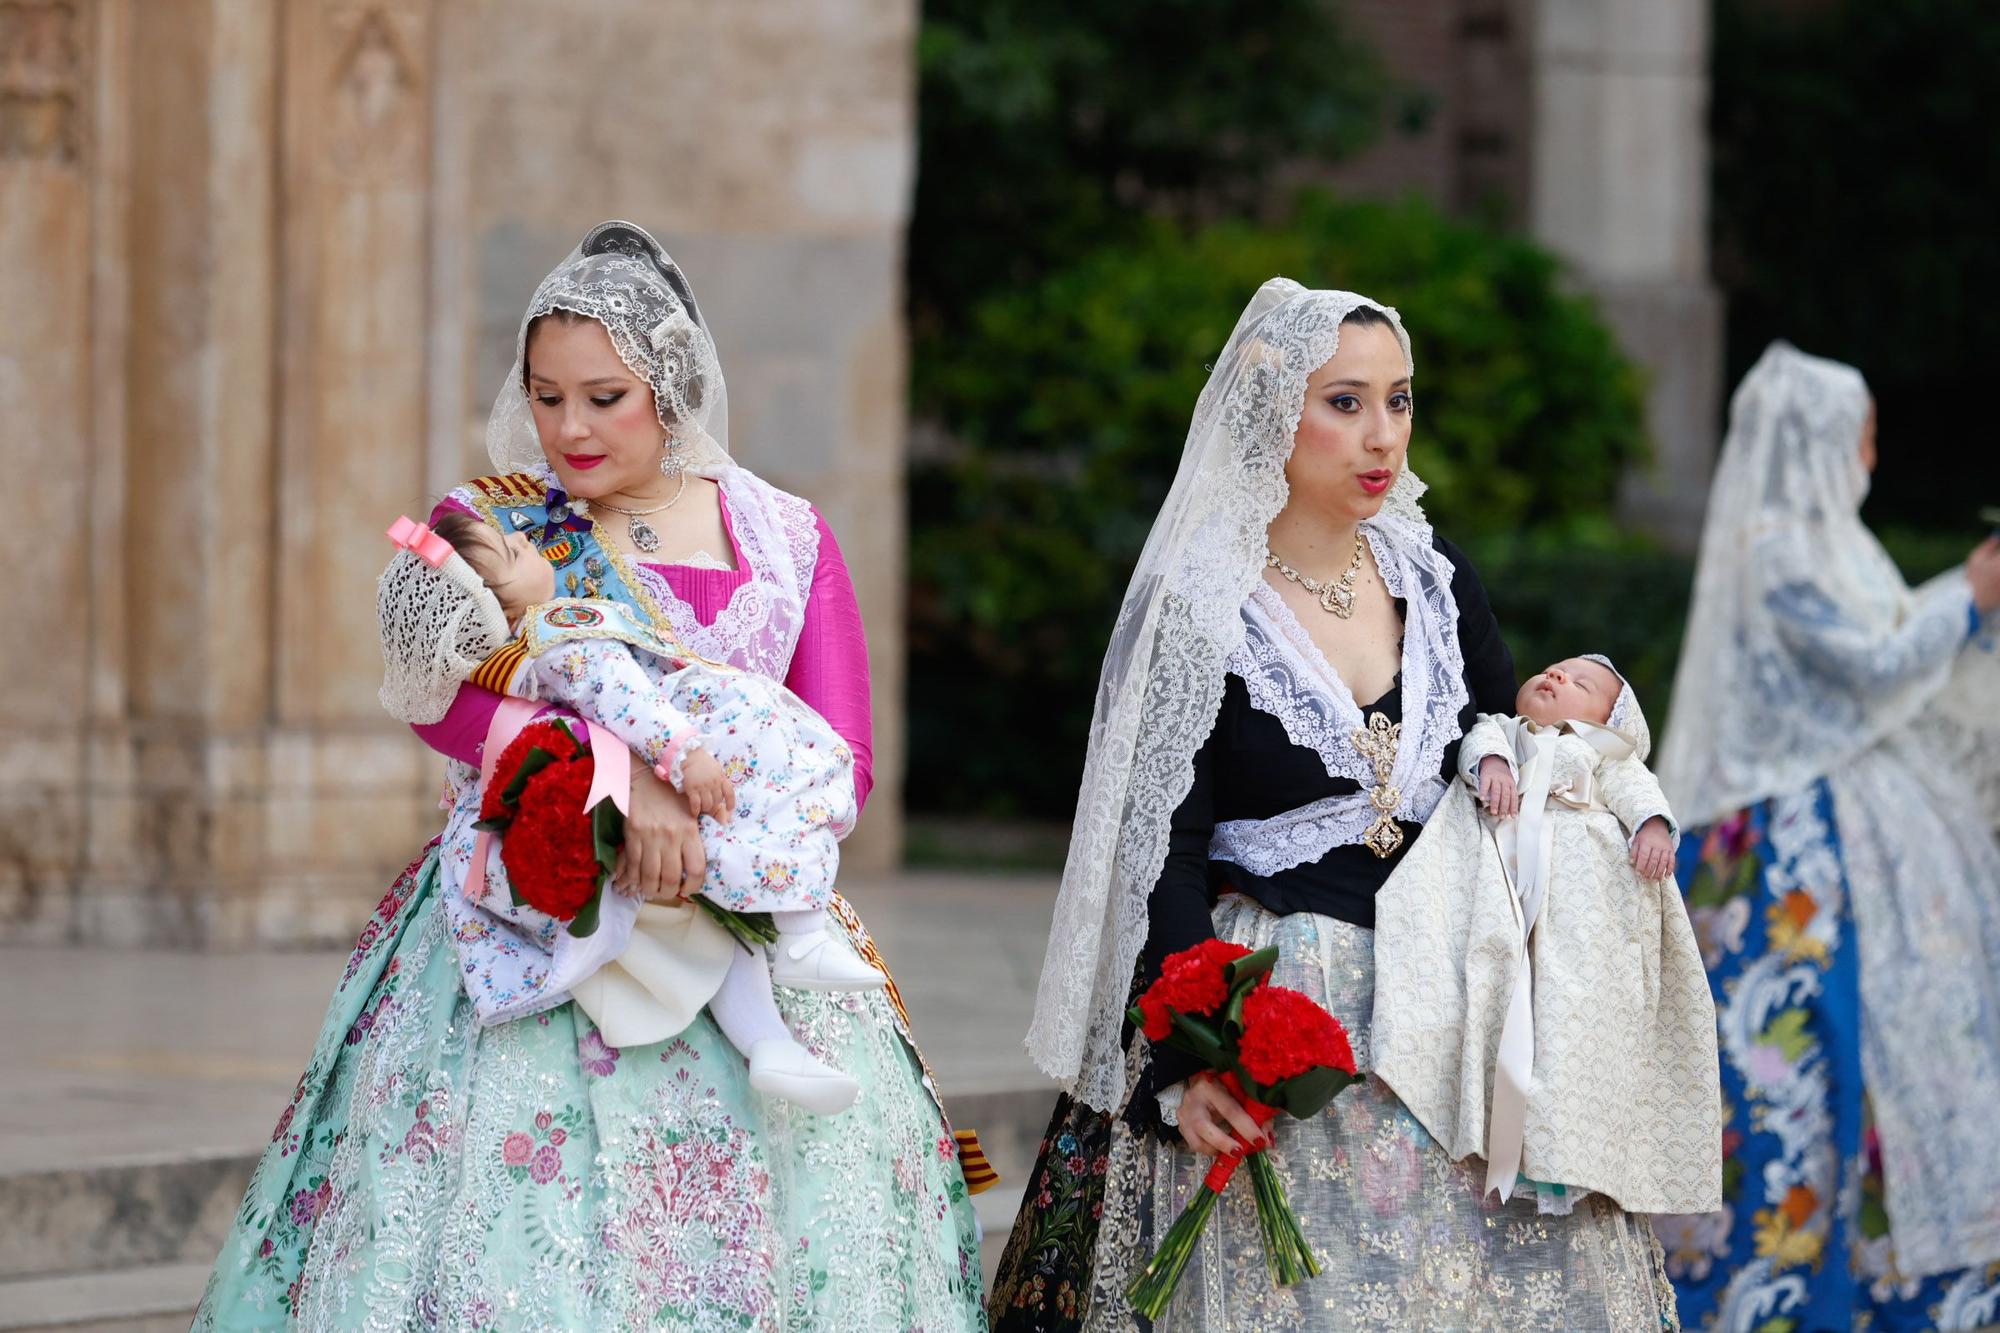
436,1172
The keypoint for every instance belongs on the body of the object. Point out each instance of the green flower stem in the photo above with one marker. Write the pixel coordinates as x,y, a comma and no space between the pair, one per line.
1153,1289
752,929
1286,1254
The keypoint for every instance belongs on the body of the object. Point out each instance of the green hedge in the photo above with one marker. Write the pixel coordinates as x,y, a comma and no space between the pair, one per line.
1629,603
1067,403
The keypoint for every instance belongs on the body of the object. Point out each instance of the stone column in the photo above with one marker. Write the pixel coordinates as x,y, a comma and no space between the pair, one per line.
142,152
236,384
1620,189
52,402
176,815
353,797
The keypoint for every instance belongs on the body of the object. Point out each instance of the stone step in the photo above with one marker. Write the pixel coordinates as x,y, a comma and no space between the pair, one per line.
157,1298
88,1221
106,1216
134,1109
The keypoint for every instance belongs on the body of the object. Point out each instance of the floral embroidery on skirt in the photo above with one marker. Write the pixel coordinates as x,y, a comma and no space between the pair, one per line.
1403,1235
432,1174
1802,1241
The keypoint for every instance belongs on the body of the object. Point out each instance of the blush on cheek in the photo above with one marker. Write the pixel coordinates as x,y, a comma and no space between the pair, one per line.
633,411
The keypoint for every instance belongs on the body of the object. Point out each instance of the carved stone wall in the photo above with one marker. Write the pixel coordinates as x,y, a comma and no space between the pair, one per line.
47,449
260,267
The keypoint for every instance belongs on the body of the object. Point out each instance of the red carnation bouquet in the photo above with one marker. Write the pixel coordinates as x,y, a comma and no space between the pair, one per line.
558,854
1274,1050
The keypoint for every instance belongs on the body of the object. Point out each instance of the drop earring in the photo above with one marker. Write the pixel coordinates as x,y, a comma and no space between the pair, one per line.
671,464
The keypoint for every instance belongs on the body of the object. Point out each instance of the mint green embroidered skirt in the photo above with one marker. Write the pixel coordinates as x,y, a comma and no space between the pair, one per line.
430,1174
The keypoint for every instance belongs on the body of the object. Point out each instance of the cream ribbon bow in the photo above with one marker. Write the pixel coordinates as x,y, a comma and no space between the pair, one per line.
1525,844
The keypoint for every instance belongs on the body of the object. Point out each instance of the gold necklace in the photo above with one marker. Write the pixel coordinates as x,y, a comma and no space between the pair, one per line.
643,535
1335,595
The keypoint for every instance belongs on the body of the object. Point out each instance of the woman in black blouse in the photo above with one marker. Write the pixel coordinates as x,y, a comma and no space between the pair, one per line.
1295,663
1250,769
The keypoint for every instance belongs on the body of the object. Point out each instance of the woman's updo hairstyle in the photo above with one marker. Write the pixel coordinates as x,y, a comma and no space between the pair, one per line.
1366,316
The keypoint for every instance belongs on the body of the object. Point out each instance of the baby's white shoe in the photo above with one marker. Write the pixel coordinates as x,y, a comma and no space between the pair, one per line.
815,960
780,1067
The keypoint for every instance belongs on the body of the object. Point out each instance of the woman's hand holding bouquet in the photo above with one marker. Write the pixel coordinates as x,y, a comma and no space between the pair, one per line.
561,834
1272,1050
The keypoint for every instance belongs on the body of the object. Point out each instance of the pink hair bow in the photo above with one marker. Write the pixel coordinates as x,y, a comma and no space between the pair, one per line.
420,541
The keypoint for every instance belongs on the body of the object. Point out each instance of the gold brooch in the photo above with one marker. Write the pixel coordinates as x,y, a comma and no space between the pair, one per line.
1377,744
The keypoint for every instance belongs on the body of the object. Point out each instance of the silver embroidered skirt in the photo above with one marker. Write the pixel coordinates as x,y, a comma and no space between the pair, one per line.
1402,1233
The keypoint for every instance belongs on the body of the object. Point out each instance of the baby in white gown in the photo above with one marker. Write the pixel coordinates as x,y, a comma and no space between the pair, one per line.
1540,999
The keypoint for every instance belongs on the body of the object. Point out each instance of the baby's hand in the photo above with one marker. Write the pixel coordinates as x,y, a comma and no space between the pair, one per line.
1653,850
1497,791
709,790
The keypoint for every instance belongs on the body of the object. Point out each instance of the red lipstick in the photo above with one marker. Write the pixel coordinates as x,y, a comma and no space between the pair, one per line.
583,462
1377,481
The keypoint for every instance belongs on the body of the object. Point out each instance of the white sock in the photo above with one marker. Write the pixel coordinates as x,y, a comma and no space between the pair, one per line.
801,922
744,1007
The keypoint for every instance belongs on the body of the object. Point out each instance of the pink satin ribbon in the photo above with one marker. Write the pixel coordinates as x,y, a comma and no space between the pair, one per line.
611,778
420,541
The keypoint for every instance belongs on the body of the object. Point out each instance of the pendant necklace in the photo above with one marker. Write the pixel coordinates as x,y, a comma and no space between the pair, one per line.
1336,596
644,537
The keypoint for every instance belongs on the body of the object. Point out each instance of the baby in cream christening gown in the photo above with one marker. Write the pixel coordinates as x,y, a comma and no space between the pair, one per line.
1540,999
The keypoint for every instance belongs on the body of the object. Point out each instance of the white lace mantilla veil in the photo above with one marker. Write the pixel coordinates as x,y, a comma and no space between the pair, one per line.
620,276
1758,709
1163,673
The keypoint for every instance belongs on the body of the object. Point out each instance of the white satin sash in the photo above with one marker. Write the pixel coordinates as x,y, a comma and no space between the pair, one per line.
1525,845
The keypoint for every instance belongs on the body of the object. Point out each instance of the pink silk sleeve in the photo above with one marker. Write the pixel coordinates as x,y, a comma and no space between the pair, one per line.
830,666
461,733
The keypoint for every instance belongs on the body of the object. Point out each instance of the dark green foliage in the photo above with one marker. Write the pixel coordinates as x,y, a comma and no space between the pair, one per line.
1068,400
1856,164
1049,128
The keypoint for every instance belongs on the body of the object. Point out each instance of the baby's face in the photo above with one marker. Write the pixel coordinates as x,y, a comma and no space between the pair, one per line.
1574,690
516,572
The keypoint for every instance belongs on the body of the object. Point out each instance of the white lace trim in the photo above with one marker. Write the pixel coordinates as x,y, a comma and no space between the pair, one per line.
1289,678
437,626
759,626
777,535
1268,846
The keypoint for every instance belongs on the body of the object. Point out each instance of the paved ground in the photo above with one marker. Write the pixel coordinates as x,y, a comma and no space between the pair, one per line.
121,1065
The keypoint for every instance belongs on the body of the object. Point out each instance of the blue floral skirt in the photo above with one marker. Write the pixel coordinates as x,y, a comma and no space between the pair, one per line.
1802,1242
431,1174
